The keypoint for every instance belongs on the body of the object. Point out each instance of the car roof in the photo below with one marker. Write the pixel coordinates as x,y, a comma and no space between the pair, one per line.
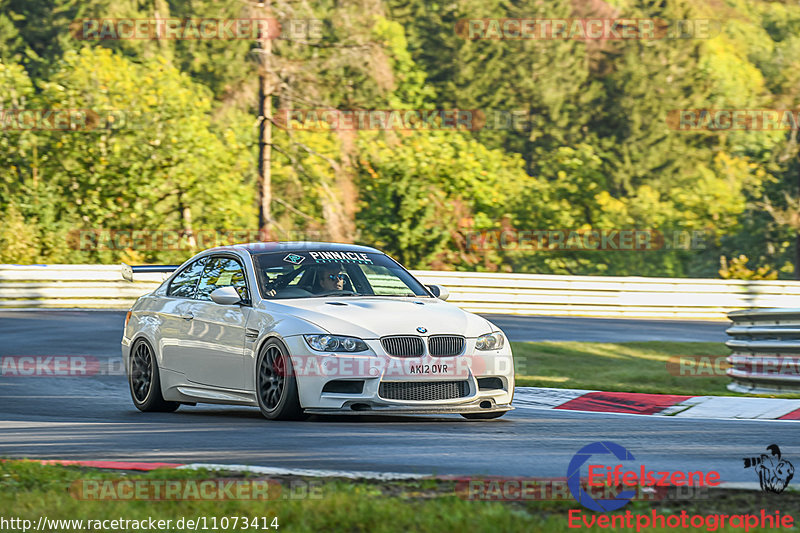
298,246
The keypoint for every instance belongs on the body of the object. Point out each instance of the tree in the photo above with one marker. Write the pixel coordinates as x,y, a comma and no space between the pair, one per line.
423,193
151,159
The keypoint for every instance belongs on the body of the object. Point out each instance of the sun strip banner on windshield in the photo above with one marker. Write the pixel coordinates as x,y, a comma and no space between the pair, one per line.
340,257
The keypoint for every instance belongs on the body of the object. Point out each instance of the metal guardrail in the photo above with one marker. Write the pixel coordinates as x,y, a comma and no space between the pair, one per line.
521,294
766,351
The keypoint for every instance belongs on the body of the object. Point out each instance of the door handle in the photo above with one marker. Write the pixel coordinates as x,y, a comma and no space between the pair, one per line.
187,316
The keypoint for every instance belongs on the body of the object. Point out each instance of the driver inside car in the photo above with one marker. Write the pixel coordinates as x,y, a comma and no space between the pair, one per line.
330,278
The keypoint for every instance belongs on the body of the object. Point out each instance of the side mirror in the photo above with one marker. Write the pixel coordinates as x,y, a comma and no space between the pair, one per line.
225,296
439,291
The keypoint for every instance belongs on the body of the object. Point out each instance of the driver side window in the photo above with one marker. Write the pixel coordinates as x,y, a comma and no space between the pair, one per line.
185,283
222,272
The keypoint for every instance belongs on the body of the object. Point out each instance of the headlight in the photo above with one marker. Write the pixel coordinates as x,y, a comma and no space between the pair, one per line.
333,343
490,341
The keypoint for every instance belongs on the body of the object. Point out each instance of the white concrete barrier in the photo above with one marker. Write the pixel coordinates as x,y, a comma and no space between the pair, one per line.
521,294
606,296
92,286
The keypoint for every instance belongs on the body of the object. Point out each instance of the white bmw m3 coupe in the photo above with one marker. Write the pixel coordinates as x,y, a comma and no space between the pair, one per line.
299,328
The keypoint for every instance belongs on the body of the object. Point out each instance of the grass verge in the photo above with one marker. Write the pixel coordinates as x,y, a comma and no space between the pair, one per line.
29,491
624,367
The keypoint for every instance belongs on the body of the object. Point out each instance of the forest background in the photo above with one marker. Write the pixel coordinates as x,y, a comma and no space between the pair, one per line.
576,137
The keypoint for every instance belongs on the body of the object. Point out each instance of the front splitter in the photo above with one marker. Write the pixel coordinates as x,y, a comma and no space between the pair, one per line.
409,410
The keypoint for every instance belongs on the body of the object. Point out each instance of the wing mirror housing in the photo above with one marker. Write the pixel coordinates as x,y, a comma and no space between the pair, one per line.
225,296
439,291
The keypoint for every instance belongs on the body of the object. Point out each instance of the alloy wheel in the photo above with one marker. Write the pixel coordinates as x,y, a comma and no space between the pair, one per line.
142,372
272,377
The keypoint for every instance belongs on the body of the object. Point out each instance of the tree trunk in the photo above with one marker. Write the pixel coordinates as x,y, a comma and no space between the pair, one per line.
186,222
265,135
797,235
797,256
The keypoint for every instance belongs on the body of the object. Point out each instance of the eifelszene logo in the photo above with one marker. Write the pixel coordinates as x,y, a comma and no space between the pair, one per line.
600,474
574,476
774,472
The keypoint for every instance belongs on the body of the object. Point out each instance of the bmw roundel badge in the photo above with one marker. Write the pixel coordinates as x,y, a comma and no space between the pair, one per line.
422,330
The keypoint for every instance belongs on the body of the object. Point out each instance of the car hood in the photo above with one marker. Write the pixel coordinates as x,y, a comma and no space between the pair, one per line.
374,317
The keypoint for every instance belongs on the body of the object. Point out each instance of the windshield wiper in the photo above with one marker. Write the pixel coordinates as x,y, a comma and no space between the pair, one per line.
336,295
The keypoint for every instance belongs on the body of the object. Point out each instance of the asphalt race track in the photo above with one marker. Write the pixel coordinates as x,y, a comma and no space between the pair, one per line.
93,418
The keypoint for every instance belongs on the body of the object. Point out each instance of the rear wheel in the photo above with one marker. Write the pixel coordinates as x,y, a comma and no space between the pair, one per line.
276,386
145,380
483,416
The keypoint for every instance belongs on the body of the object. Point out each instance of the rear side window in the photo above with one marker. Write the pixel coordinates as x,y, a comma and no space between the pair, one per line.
222,272
185,283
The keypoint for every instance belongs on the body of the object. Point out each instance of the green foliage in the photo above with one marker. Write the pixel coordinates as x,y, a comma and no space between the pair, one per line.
18,240
305,170
422,191
410,88
736,268
150,157
37,492
596,150
16,92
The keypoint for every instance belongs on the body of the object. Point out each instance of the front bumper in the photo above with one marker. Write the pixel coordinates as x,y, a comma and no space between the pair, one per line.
125,346
314,370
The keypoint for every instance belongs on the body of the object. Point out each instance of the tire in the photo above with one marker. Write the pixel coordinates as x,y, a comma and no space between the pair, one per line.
276,385
145,381
483,416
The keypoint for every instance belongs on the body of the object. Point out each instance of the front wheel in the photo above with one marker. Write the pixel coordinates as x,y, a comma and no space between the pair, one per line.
276,386
145,380
483,416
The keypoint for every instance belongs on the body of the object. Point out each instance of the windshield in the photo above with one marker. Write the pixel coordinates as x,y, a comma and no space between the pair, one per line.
312,274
